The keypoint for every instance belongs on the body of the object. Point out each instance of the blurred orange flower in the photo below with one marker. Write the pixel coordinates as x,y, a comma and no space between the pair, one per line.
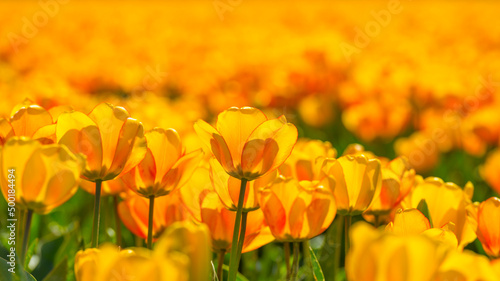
246,143
488,226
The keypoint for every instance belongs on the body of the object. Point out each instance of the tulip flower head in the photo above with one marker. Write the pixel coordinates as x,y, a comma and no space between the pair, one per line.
246,143
297,210
488,226
46,176
166,166
113,142
357,179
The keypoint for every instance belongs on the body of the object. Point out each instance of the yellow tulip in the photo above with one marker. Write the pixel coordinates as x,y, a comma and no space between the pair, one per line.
398,179
228,188
465,266
166,166
46,176
113,142
246,143
413,222
357,179
302,160
209,209
447,203
488,226
379,256
182,253
297,210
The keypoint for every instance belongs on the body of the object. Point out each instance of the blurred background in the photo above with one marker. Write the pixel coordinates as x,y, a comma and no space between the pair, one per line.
413,78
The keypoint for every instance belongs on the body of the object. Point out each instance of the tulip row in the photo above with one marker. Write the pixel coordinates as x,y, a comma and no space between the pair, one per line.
254,183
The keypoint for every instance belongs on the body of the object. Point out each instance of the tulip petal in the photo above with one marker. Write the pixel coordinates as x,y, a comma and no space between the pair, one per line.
110,120
46,134
410,221
166,147
6,131
182,171
215,144
130,149
268,147
81,135
28,120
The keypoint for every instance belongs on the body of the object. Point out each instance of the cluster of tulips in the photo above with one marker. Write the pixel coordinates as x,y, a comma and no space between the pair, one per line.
394,83
251,183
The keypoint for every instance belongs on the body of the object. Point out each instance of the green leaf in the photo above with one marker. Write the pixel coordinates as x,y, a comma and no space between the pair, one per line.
59,272
318,273
30,252
424,209
239,276
19,275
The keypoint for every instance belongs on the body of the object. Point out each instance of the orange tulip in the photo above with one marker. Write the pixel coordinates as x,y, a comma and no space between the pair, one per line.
398,179
203,203
420,149
489,171
133,212
357,179
113,142
246,143
228,188
447,203
488,226
44,176
297,210
166,166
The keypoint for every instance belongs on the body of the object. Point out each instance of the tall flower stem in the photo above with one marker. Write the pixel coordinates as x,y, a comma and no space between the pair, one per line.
26,236
220,263
117,221
295,267
97,207
286,246
242,234
150,221
347,221
234,259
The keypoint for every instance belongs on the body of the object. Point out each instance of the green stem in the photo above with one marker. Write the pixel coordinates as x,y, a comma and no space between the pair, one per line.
220,263
26,237
286,245
117,221
347,220
295,268
234,261
243,230
150,221
97,207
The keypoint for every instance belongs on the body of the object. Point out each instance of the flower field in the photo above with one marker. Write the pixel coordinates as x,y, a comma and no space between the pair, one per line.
249,140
